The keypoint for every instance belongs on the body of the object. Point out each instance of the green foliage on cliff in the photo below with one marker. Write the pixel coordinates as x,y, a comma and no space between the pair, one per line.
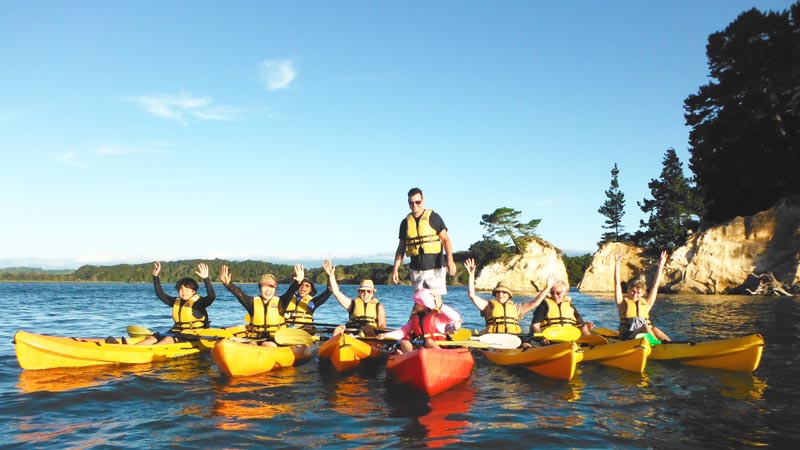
576,267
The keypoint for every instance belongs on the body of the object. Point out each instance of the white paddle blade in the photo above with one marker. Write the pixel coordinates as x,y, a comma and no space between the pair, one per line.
500,340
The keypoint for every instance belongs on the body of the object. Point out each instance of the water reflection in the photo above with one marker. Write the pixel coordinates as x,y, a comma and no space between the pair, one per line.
66,379
238,400
437,421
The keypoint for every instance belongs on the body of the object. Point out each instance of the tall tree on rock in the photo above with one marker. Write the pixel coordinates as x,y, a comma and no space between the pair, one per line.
614,208
745,137
505,225
674,209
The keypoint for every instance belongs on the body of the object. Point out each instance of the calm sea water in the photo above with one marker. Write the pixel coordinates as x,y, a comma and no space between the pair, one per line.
188,403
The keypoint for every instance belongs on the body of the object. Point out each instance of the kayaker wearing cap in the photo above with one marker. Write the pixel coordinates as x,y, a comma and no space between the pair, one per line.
265,312
557,309
430,321
188,308
364,310
423,238
501,313
634,309
300,304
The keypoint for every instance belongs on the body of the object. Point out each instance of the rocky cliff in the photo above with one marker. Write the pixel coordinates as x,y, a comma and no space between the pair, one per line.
527,272
731,258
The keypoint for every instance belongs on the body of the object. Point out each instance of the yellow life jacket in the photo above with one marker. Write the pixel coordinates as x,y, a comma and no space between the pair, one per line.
502,317
183,315
559,314
265,322
632,311
420,236
364,313
298,312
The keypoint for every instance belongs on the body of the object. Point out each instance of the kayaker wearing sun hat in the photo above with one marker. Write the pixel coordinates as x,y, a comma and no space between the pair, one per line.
430,321
501,314
364,310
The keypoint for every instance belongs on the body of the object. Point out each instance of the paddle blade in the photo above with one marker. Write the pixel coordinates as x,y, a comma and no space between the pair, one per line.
468,343
652,340
500,340
461,335
137,331
559,333
294,336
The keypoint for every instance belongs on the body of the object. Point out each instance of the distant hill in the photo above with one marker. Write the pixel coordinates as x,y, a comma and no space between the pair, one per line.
242,271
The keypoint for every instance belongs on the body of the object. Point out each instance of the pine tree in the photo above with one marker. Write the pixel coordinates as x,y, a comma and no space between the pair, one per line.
674,208
613,208
504,224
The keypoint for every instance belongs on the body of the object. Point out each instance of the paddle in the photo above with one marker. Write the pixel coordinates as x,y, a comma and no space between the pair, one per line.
649,337
137,331
467,343
560,333
294,336
499,340
605,332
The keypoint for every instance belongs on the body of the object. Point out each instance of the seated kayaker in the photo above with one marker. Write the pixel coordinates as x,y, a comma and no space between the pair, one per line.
430,321
264,311
299,302
501,313
364,310
188,308
634,309
557,310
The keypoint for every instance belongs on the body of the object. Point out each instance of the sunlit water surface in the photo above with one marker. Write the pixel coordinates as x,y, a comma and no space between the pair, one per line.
188,403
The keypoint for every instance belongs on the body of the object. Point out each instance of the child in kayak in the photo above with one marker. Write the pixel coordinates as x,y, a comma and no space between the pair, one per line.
264,312
430,321
634,309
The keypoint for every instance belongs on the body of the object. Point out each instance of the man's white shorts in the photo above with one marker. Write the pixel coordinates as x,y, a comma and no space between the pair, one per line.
433,279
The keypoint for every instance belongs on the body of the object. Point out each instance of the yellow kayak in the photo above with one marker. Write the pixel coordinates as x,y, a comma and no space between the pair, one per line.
39,351
346,352
741,354
553,361
236,358
627,355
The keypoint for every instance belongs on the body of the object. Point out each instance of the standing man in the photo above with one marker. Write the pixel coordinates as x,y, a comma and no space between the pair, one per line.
423,237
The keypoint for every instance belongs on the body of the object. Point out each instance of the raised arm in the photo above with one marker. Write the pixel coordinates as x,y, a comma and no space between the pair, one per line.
651,296
531,305
343,300
479,302
618,297
226,278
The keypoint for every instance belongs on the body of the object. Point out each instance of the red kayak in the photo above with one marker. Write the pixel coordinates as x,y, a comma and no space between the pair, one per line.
431,370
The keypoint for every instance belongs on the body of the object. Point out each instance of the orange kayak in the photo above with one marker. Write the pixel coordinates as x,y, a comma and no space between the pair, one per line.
346,352
553,361
740,354
430,370
235,358
40,351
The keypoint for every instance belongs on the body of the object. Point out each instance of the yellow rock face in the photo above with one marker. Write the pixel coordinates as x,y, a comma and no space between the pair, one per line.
717,260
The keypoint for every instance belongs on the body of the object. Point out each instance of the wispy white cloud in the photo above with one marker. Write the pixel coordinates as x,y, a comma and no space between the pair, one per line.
277,74
183,106
71,159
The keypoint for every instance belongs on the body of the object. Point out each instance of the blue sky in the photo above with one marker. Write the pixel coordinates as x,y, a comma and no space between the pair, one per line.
291,131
